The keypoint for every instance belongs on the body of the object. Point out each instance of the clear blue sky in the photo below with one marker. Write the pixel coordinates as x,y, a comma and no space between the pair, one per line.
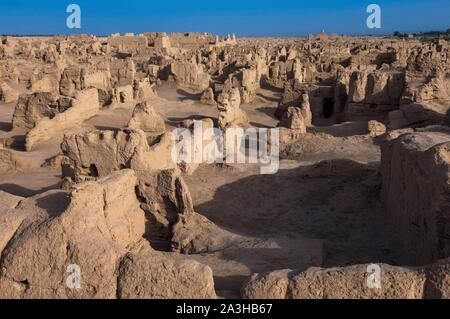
243,17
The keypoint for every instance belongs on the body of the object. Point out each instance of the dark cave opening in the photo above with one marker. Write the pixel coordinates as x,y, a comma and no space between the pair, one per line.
93,171
328,107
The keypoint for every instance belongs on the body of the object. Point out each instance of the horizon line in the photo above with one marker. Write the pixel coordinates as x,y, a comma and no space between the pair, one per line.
300,35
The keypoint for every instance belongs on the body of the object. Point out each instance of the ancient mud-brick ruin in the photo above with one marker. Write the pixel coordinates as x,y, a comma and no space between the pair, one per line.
87,175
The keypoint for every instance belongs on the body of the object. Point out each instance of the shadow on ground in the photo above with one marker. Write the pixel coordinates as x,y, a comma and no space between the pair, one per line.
23,191
334,201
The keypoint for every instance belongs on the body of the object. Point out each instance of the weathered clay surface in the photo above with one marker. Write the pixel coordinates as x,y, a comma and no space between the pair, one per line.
147,119
415,170
84,106
337,283
92,173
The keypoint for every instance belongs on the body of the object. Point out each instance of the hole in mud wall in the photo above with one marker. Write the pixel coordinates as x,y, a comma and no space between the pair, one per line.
122,97
93,171
328,107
